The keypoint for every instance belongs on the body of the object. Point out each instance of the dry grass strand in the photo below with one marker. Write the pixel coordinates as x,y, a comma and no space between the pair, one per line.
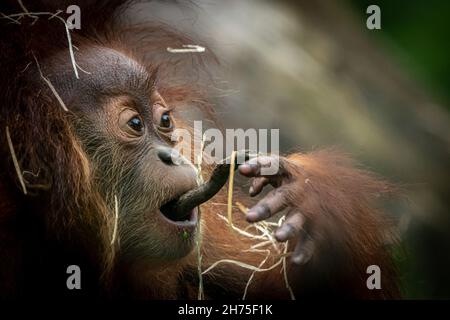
16,163
50,85
230,188
116,219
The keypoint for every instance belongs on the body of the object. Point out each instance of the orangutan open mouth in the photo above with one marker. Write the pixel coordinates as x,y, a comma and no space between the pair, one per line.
170,211
188,220
184,207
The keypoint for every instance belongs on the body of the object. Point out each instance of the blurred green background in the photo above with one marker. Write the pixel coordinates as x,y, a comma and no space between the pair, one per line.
417,34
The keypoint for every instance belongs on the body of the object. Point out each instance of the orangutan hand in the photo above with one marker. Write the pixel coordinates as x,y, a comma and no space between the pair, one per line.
288,184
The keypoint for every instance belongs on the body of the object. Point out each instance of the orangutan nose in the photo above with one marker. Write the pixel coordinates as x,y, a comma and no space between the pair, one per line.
170,156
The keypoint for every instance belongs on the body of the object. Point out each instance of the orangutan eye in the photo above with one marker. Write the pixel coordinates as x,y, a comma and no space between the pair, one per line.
131,123
162,118
136,124
166,121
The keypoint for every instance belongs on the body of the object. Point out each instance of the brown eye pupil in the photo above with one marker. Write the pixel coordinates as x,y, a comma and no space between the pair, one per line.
165,121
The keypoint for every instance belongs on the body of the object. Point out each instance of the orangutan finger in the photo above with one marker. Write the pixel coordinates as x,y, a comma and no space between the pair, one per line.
252,168
303,250
291,227
268,206
257,185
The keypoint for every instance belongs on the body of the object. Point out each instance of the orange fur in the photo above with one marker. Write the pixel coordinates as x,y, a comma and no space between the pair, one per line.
68,220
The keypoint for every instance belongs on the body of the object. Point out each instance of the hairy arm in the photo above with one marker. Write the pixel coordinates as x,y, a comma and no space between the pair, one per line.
332,224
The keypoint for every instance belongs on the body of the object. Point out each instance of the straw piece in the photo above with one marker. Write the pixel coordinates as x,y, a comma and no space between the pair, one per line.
187,48
50,85
23,7
201,294
230,188
254,272
242,265
286,280
116,219
241,207
16,163
35,16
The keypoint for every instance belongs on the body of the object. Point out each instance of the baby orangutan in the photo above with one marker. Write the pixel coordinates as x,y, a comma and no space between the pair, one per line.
90,177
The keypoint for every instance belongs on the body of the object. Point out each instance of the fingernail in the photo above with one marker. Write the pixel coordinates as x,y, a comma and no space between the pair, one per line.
252,216
298,259
280,235
251,190
244,168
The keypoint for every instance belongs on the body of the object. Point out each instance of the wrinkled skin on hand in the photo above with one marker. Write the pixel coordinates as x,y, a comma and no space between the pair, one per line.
278,200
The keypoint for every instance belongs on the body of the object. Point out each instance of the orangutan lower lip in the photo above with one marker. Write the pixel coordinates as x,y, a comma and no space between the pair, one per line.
188,221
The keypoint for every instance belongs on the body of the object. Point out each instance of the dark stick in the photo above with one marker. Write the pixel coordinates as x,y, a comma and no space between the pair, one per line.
204,192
